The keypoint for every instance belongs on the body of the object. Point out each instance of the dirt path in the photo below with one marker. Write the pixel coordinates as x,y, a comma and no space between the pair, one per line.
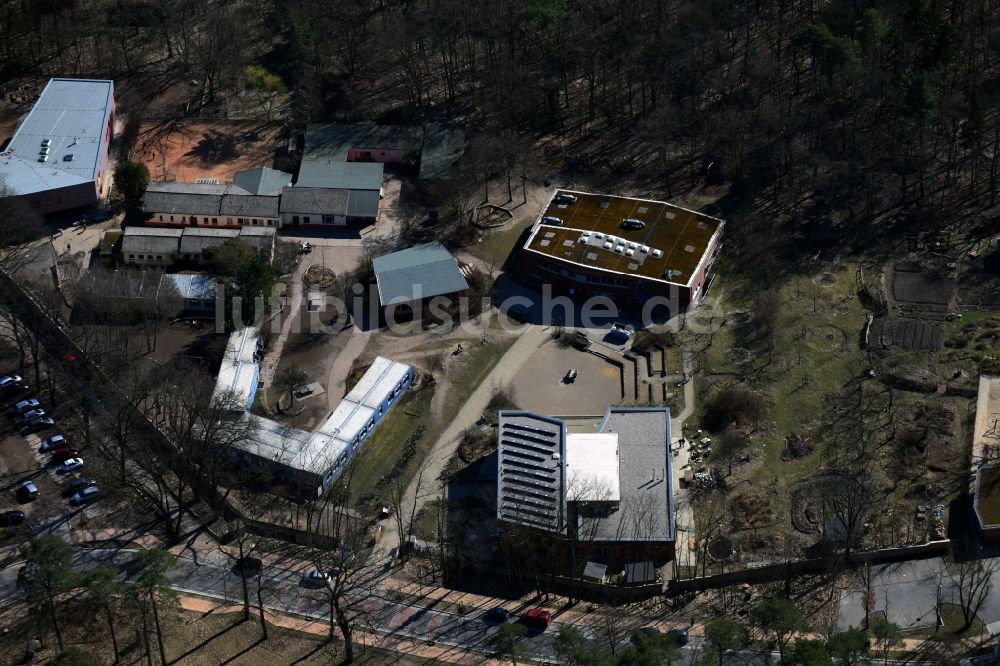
337,379
446,445
269,364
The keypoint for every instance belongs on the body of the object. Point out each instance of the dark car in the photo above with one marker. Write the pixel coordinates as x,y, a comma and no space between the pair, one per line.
39,424
248,565
536,618
679,636
28,490
632,223
53,443
11,518
60,455
32,414
552,221
562,197
26,405
498,614
80,482
315,579
88,494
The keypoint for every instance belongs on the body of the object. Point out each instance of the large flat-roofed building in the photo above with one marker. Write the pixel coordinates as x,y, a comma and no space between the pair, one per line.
308,460
627,249
58,158
610,489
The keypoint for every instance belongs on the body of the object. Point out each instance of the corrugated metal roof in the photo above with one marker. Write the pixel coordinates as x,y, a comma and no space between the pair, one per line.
72,114
249,205
313,201
322,171
239,370
148,240
362,203
422,271
262,181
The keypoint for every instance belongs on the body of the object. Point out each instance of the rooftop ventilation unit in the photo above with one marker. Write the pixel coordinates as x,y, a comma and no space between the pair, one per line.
206,181
44,150
43,158
68,158
619,248
607,246
657,253
629,252
632,246
581,239
46,143
598,235
644,248
689,248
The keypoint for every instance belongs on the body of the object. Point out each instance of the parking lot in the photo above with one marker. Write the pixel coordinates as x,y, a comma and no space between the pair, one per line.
21,460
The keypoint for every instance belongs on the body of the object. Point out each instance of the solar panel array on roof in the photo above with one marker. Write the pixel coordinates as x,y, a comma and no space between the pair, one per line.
531,451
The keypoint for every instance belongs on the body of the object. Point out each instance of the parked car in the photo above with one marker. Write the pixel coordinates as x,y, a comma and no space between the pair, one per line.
88,494
621,332
248,565
39,424
28,490
32,414
79,483
11,518
62,455
554,221
562,197
632,223
537,618
680,636
315,578
497,614
12,383
71,464
52,443
26,406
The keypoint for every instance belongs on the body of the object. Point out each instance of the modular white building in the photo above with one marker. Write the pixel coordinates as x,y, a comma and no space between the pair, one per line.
240,369
311,460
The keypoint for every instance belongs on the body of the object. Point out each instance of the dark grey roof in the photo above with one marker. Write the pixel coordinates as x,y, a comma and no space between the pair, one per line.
183,198
529,477
645,509
362,203
72,115
444,144
150,240
313,201
422,271
322,171
262,181
198,239
249,205
532,471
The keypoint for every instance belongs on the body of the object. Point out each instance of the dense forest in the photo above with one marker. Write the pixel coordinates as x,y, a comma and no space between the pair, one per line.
842,123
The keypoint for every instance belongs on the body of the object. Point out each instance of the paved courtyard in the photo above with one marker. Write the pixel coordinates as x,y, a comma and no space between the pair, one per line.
540,384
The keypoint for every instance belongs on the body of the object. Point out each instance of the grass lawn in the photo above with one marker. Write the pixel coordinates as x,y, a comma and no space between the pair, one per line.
498,244
952,621
968,317
383,449
815,353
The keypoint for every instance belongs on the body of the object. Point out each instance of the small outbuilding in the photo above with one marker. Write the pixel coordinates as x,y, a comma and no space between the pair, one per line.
409,279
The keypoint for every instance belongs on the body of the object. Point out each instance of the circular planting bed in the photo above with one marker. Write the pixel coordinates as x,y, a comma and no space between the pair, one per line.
317,276
738,317
806,498
722,548
825,279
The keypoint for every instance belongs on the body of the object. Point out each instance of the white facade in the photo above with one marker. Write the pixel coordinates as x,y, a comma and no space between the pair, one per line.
240,370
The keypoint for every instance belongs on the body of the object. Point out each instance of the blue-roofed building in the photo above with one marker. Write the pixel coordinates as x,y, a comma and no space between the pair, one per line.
58,158
196,292
409,279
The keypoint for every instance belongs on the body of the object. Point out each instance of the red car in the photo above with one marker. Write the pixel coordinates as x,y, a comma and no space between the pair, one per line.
536,618
62,455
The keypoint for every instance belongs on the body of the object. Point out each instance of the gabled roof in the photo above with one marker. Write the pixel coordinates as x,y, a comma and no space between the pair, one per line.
249,205
320,171
313,201
72,115
150,240
262,181
422,271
